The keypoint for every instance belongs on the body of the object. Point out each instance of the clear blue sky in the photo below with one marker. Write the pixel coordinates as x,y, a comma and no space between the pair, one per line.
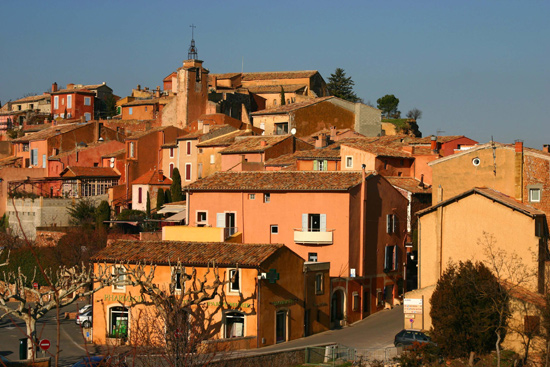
475,68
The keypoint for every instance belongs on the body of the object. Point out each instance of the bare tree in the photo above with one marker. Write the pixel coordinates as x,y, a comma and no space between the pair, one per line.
20,299
414,114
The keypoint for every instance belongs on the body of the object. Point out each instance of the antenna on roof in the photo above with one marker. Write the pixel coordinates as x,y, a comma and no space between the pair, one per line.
192,54
439,132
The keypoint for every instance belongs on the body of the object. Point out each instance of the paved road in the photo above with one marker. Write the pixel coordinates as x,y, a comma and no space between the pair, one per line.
72,340
376,331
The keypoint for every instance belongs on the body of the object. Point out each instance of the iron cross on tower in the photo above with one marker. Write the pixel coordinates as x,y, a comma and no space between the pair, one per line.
192,54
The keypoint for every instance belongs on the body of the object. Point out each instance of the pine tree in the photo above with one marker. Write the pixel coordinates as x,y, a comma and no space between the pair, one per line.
341,86
175,188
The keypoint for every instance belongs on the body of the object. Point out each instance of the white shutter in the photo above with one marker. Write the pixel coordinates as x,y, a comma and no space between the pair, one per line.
323,222
304,222
220,220
325,165
315,165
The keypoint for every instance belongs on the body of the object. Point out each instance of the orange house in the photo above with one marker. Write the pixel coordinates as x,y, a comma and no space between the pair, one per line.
356,221
270,295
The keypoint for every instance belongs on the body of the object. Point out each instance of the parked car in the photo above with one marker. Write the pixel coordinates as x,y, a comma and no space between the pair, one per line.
85,319
101,361
85,308
408,337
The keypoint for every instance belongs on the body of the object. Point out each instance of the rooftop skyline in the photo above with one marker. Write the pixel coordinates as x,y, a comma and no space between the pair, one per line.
474,68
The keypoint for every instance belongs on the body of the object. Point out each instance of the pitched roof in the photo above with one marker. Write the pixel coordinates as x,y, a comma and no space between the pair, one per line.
283,160
197,134
81,90
114,154
139,102
76,171
253,144
376,147
278,181
224,140
279,75
409,184
140,134
33,98
188,253
49,132
276,88
151,177
331,152
495,196
225,75
440,139
291,107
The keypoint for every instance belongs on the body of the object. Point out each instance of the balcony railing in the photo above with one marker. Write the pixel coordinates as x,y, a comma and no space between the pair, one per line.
313,237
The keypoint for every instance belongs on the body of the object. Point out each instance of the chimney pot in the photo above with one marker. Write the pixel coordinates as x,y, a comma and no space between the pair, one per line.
433,144
161,175
519,146
54,87
546,148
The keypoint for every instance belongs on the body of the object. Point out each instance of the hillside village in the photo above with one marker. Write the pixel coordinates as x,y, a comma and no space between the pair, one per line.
316,213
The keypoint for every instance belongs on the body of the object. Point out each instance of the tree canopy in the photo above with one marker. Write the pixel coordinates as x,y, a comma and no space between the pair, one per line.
464,316
341,86
388,104
414,114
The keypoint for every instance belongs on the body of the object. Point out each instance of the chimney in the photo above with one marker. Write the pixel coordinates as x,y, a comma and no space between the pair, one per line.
333,133
433,144
157,92
321,141
214,82
161,175
519,146
70,86
54,87
138,87
263,143
421,184
200,123
546,148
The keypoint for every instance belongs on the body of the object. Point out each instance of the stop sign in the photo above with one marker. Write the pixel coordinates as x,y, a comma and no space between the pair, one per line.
44,344
35,285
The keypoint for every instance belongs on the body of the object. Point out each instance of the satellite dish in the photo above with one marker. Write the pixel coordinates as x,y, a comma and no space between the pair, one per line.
293,131
112,164
112,159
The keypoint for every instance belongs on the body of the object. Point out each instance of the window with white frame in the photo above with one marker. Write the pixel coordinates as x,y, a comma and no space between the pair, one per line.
314,222
212,159
251,196
312,256
202,218
274,229
349,161
267,197
534,195
391,223
119,274
234,281
234,324
56,102
69,101
319,283
87,101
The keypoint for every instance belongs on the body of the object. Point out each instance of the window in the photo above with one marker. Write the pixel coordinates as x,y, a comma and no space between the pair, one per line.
534,195
281,128
212,159
391,223
187,171
274,102
281,318
145,108
274,229
56,102
119,273
140,195
34,157
319,283
171,152
69,101
312,256
43,160
188,147
88,102
267,198
356,301
320,165
314,222
251,196
379,297
234,281
88,116
69,115
202,219
171,169
234,324
349,161
19,107
178,277
118,322
391,258
31,106
132,149
130,111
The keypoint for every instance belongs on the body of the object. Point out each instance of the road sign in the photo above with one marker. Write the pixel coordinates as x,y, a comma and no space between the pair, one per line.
44,344
35,285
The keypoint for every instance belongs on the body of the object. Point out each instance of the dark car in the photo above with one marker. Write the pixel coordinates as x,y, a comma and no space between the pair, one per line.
408,337
101,361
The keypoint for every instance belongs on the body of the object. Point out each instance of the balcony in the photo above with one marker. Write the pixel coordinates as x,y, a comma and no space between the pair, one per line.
313,237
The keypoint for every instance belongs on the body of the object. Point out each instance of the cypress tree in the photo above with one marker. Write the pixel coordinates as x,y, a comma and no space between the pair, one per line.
175,188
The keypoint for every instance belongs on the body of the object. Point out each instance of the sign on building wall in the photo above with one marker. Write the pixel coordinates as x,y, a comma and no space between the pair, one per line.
412,305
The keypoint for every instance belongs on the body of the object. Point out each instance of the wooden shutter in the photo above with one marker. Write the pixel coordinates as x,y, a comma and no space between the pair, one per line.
389,225
395,257
394,223
387,258
220,220
304,223
323,222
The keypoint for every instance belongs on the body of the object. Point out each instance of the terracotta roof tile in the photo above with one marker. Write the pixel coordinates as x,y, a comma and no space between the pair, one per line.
151,178
188,253
278,181
440,139
253,144
140,134
224,140
197,134
410,184
49,132
291,107
290,88
118,153
77,171
140,102
33,98
74,90
331,152
226,75
283,160
279,75
377,148
491,194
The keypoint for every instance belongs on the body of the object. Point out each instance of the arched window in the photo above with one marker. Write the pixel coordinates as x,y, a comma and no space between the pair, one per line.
234,324
171,169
